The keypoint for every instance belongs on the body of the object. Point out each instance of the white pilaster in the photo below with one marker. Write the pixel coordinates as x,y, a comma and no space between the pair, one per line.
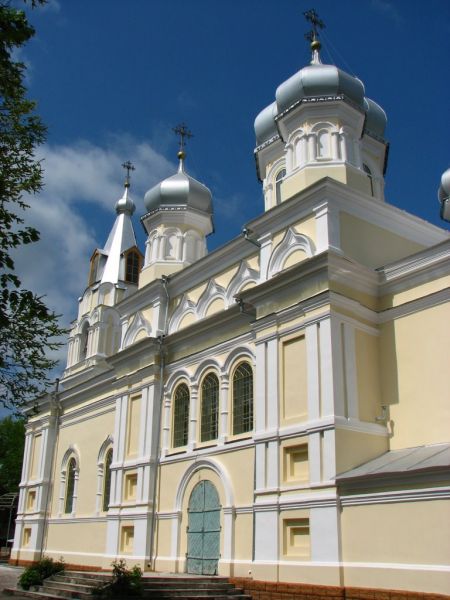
224,410
264,255
324,532
192,439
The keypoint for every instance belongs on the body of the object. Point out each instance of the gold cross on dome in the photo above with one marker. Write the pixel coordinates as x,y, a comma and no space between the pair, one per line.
313,18
184,134
128,166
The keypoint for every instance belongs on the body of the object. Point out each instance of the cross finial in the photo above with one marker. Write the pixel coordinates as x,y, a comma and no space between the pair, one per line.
128,166
184,134
313,35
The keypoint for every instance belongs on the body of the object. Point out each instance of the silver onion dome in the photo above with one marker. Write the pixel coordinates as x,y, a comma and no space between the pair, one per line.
319,80
444,188
314,81
125,204
177,192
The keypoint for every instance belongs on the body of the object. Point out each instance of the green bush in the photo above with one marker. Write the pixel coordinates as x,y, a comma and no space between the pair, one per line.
125,582
39,571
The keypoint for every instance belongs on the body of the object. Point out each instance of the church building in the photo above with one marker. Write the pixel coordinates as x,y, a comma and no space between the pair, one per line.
277,410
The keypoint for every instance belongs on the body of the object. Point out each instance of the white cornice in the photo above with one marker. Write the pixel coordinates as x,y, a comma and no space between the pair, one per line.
408,308
411,495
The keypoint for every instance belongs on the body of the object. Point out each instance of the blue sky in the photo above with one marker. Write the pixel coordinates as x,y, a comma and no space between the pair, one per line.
112,78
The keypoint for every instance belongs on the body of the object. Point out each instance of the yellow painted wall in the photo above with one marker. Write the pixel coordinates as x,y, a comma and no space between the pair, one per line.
293,380
83,538
371,245
368,376
354,448
406,532
88,435
415,383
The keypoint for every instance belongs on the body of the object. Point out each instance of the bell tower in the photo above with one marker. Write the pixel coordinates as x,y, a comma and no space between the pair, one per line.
113,275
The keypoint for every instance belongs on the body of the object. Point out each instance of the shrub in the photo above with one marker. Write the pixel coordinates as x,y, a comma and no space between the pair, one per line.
125,582
35,575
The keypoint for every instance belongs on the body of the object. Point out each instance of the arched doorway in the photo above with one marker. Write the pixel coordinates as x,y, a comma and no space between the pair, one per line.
203,533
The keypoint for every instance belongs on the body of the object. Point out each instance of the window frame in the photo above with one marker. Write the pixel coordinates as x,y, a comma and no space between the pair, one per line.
184,434
245,431
213,413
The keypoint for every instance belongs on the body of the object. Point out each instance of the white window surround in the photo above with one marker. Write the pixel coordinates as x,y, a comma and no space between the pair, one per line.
291,242
71,452
107,444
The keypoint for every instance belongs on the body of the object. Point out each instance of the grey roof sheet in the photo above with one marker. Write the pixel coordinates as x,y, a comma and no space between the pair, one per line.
407,460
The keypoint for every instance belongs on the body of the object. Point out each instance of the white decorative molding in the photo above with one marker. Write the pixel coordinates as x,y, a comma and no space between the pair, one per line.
291,242
138,324
242,277
212,292
412,495
184,308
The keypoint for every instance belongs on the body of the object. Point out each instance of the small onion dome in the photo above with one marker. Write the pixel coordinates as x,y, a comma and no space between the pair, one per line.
444,188
125,204
319,80
179,191
265,126
376,118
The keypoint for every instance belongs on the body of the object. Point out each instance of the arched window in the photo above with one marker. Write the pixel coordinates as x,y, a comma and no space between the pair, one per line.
181,416
323,143
107,479
70,485
132,265
278,181
84,341
242,399
369,174
210,408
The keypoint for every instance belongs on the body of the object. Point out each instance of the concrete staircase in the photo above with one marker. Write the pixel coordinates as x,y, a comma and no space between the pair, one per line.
79,585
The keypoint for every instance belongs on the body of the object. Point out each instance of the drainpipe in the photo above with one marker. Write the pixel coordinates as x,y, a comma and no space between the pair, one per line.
165,282
55,404
246,233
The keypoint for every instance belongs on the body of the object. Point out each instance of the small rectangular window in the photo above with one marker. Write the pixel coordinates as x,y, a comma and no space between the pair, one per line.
296,537
127,539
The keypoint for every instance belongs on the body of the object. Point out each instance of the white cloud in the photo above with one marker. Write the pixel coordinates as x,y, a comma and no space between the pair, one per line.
388,9
81,179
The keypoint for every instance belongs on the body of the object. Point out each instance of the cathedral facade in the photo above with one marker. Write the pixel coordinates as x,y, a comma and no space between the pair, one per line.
276,410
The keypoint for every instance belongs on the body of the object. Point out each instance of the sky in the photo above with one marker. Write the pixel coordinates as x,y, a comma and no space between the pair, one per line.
112,78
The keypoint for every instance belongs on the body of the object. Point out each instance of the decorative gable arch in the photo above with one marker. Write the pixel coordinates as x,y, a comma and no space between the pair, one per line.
242,277
138,324
212,292
291,242
184,308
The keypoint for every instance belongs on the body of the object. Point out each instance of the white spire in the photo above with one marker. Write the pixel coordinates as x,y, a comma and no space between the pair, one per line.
120,239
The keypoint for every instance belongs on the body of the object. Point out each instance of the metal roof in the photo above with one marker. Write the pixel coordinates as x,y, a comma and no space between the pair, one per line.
407,460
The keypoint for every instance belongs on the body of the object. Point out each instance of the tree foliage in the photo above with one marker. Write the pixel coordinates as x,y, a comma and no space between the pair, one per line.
12,440
28,329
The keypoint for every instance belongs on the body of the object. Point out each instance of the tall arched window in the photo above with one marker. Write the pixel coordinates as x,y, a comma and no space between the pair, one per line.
210,408
70,485
181,416
84,341
278,181
369,174
107,479
242,398
132,265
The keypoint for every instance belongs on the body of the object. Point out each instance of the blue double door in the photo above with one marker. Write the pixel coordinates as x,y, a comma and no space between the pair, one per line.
203,532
